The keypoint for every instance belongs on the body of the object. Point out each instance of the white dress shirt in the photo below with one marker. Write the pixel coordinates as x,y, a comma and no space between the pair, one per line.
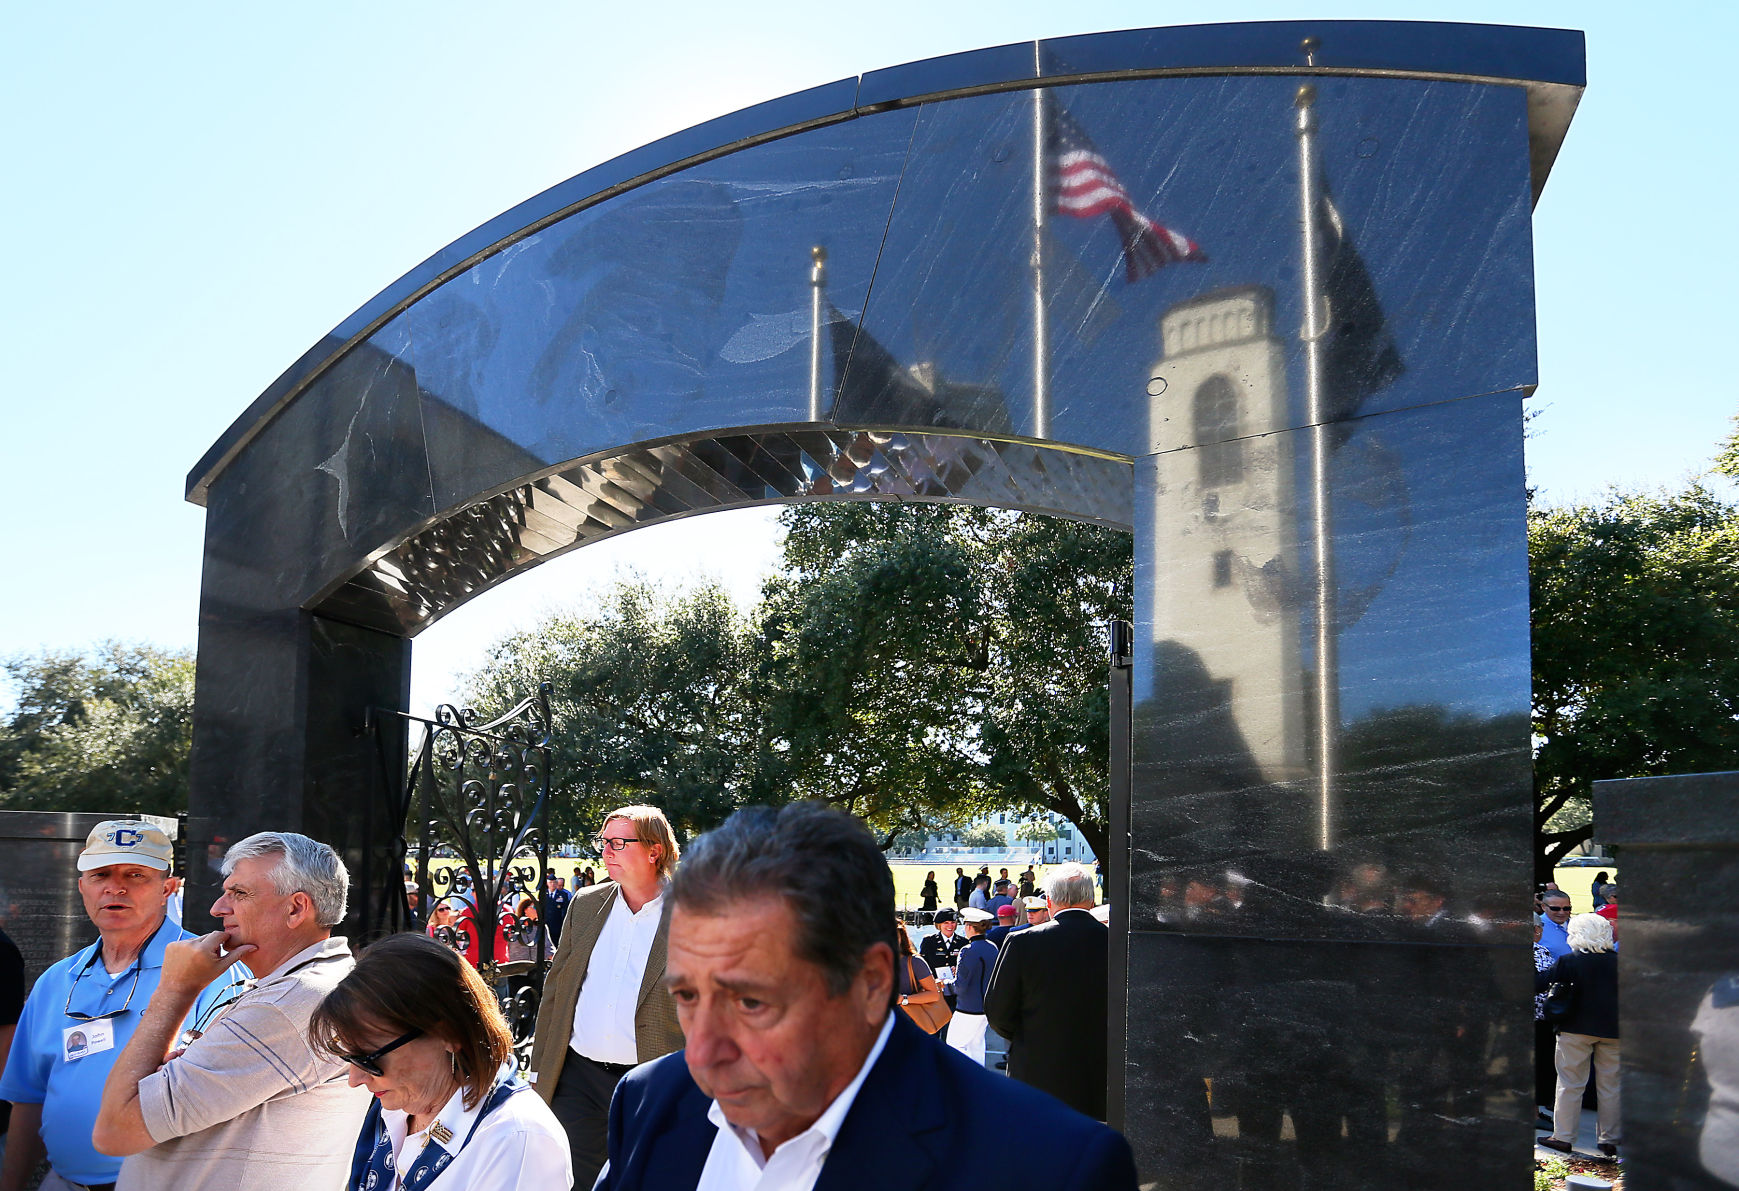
520,1144
604,1012
735,1162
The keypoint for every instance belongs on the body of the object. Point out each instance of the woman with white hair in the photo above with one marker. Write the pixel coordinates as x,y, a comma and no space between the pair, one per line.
1588,1033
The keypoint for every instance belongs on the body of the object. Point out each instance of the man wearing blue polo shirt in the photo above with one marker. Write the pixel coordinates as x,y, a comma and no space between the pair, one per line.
1555,915
83,1010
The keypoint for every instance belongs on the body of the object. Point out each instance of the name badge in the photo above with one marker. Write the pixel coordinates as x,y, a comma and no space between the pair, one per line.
87,1038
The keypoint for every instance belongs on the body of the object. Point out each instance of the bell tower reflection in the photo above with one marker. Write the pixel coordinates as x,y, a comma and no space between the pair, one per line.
1226,585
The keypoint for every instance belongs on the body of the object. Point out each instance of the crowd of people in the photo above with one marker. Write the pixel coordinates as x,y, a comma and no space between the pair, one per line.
521,934
748,1014
753,1017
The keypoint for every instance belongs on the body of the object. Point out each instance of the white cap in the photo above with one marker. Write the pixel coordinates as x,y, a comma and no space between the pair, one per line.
126,841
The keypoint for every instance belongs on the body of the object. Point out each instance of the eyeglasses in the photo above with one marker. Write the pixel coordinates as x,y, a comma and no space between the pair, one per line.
605,843
76,1015
370,1062
1557,909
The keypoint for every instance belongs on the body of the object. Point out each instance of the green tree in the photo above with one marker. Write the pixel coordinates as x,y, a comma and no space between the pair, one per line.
107,732
1635,610
1045,731
649,705
931,662
1036,831
870,644
1727,458
984,835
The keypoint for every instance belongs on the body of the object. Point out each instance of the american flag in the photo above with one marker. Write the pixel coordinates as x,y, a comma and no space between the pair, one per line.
1084,185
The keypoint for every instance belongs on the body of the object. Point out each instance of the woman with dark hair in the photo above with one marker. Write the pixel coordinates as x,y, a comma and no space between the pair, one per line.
1597,891
929,893
917,982
422,1031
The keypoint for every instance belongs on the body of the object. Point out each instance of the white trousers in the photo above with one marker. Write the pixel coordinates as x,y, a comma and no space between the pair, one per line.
966,1035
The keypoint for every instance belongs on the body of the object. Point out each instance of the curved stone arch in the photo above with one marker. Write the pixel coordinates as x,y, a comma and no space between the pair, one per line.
466,553
658,336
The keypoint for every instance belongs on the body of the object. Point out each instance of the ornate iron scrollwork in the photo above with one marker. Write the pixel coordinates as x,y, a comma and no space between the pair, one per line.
476,800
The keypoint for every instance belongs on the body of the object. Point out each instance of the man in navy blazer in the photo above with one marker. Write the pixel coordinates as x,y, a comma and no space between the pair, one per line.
800,1066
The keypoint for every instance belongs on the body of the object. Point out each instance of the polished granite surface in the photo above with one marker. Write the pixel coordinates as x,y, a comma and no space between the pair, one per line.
1236,830
1545,65
41,910
1678,974
685,306
1284,1064
1310,417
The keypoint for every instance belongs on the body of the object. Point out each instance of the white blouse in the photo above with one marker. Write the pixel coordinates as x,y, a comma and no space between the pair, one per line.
520,1144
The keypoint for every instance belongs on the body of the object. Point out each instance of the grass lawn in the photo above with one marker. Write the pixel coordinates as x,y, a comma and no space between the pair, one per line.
1576,882
909,881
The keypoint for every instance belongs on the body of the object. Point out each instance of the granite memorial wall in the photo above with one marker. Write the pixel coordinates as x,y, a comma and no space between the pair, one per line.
1678,976
40,905
1260,293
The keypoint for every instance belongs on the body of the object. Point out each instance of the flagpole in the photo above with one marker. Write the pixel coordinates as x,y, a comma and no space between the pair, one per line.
1041,321
1313,332
818,289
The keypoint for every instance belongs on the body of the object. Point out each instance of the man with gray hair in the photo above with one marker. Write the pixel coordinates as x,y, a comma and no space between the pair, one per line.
243,1100
1048,993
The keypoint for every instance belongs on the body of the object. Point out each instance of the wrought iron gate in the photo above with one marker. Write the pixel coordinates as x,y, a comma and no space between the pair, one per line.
473,808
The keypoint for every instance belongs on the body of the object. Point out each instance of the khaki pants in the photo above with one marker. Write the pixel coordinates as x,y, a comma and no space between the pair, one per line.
1574,1053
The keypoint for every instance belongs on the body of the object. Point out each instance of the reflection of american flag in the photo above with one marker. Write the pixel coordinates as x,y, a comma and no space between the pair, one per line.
1083,184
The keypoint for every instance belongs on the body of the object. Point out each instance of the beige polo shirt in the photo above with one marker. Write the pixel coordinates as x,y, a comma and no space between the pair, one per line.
251,1105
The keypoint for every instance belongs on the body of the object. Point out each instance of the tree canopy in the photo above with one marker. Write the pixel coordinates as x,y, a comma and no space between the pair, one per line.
1635,605
107,731
649,704
927,663
916,664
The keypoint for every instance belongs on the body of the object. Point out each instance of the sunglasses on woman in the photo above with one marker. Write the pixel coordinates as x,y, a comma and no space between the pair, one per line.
370,1062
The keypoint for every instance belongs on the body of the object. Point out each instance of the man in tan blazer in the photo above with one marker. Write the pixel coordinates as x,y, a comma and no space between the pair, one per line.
605,1008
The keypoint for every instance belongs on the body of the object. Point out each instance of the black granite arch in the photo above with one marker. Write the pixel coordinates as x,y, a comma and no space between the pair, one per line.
867,291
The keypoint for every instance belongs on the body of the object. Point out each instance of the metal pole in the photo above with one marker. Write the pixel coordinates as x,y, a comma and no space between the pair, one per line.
1117,882
1041,321
817,291
1312,331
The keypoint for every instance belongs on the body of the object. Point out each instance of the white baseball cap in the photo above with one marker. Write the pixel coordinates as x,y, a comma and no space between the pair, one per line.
126,841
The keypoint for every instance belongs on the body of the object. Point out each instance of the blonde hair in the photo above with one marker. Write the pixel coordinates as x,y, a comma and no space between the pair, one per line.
651,827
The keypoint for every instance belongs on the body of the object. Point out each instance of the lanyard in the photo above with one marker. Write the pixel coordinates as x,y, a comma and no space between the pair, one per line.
234,993
138,970
371,1166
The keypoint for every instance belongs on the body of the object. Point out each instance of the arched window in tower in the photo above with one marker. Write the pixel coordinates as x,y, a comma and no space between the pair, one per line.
1216,426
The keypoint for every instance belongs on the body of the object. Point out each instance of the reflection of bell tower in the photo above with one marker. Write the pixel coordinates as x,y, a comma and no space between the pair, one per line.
1226,583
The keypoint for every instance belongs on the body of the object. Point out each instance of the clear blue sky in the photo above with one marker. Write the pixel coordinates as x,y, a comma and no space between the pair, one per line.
195,193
